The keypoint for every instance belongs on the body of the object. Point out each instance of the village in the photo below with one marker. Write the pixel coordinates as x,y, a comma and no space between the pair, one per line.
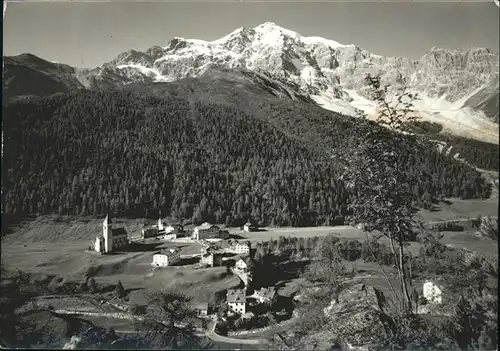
244,306
217,249
244,284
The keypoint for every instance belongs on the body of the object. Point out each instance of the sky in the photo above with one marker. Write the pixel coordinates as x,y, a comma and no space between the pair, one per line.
87,34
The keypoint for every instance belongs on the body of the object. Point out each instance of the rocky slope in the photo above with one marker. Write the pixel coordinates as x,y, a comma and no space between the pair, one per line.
459,88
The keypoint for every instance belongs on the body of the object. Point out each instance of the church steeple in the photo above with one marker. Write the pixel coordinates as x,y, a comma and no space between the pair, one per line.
160,222
107,234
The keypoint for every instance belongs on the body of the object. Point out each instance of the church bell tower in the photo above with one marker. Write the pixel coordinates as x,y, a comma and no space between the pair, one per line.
107,234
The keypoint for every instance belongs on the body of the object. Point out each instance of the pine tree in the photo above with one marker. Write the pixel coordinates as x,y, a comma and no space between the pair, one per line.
120,291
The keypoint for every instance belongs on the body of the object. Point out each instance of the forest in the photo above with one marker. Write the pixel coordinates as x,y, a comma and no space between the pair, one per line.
478,153
133,155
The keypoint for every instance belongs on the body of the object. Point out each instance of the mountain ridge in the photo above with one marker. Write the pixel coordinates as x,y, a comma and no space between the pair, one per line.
458,87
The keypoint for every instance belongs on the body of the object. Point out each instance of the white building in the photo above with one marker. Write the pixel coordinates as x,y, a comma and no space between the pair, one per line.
170,236
241,265
169,229
242,248
111,239
99,244
160,225
249,227
432,293
237,300
166,258
245,265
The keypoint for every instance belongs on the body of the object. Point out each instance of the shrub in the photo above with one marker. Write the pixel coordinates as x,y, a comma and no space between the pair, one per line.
489,227
137,309
373,250
350,249
92,285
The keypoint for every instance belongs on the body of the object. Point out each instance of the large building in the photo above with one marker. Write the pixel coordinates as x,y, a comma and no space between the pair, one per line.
242,248
237,300
166,258
111,239
209,231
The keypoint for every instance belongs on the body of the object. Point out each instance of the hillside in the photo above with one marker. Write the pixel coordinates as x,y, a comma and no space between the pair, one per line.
458,88
28,74
132,154
265,98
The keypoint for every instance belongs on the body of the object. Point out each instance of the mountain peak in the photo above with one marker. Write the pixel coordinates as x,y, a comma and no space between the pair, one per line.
271,27
268,25
327,72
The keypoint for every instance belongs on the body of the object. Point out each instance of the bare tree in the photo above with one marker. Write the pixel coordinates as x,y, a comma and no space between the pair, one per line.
372,170
328,268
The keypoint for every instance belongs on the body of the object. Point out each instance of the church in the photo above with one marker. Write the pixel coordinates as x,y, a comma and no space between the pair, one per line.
110,239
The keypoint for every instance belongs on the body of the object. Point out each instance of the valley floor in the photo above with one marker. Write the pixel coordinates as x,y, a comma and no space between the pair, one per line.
56,248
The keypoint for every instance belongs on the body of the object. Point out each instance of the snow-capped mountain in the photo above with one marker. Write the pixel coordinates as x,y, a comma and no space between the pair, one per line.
458,88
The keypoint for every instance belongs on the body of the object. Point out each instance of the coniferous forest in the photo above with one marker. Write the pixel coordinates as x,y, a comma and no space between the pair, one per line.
131,154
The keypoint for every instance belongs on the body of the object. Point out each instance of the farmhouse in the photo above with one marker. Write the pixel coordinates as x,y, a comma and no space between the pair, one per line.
202,309
236,300
110,239
432,293
166,258
265,294
245,265
249,227
209,231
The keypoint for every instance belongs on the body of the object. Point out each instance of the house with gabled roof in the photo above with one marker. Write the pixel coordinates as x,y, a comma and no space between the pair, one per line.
237,300
245,264
265,294
166,258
